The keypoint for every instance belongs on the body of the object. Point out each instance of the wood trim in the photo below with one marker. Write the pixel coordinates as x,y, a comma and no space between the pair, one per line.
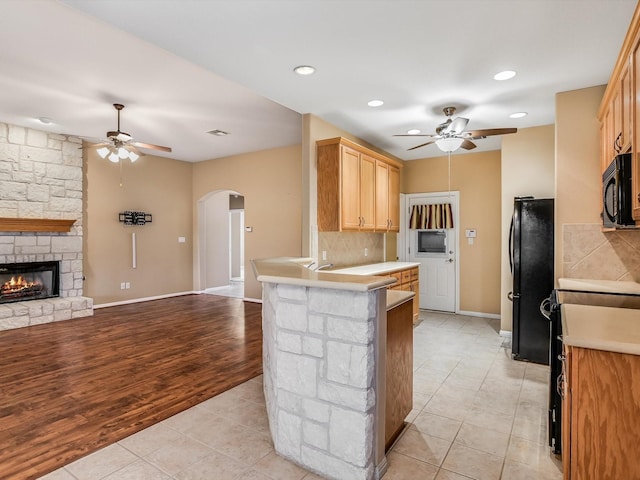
360,148
35,225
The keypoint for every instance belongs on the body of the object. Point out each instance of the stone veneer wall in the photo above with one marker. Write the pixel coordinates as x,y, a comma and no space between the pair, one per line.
319,378
41,177
590,253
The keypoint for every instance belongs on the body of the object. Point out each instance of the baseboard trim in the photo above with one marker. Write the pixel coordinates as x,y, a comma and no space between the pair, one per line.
506,333
168,295
493,316
252,300
381,468
145,299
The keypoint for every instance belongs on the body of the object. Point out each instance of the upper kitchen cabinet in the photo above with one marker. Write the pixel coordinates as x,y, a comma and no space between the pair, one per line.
358,189
387,197
616,119
619,113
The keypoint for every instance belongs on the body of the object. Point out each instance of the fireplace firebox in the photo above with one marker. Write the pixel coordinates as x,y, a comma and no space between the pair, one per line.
20,282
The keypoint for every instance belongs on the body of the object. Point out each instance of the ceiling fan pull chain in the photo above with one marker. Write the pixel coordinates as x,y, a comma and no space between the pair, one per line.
449,165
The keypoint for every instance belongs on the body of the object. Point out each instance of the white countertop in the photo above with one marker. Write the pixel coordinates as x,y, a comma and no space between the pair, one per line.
601,328
603,286
376,268
291,271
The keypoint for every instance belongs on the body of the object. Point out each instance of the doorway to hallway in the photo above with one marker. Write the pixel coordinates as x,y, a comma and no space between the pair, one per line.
221,243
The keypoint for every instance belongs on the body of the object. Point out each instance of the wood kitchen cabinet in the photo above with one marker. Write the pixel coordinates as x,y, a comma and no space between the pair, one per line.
619,112
399,370
387,197
601,408
358,189
357,195
408,280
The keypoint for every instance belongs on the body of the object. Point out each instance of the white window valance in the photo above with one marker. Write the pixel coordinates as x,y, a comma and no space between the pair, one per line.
436,215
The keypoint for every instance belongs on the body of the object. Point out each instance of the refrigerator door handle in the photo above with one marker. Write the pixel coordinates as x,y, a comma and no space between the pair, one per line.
545,308
511,246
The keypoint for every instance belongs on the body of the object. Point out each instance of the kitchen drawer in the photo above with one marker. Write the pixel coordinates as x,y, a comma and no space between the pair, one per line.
406,276
414,274
397,276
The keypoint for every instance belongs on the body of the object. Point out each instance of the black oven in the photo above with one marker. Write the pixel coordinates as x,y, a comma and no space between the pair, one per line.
616,193
551,309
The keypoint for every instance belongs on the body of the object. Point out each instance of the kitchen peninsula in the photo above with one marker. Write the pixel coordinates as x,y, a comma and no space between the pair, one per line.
324,360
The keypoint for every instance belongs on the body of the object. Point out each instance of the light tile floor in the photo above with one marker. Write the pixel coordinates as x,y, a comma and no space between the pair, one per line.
234,289
477,414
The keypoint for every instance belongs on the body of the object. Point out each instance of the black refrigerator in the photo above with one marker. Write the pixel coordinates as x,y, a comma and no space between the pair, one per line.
531,259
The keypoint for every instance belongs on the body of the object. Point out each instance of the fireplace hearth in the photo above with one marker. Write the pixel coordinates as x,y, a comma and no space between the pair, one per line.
20,282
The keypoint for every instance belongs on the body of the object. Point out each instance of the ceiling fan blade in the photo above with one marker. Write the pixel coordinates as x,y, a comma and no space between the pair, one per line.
422,145
468,145
414,135
151,146
457,126
474,134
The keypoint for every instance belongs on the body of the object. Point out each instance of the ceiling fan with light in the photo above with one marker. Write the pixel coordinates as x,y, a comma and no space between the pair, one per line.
120,145
451,135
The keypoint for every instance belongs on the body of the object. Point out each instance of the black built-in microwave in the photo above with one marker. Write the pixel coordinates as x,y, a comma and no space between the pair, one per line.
616,193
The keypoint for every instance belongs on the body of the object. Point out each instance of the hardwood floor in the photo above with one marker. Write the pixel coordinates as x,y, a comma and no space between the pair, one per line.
72,387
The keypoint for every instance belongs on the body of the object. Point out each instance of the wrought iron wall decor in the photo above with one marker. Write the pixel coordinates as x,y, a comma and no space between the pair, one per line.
134,218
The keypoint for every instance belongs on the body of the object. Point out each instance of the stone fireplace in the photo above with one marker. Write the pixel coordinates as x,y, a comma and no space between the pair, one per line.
41,191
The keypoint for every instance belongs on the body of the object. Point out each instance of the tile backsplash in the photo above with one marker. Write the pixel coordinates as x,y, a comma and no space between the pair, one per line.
345,249
590,253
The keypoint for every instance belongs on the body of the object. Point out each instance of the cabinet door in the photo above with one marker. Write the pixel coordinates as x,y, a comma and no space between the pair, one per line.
394,199
367,192
349,189
565,387
625,110
609,137
382,196
415,288
635,101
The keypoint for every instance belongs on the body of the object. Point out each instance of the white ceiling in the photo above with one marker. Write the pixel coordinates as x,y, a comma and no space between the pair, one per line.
185,67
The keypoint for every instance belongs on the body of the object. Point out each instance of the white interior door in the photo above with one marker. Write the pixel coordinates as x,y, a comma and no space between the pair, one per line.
438,271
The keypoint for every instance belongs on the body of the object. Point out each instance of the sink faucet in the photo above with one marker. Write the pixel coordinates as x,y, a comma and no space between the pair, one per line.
322,267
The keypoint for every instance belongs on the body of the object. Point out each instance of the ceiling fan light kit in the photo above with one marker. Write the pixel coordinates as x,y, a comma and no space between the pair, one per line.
120,145
449,144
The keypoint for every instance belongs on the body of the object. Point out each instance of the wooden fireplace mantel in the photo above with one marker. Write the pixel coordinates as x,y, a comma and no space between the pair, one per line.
35,225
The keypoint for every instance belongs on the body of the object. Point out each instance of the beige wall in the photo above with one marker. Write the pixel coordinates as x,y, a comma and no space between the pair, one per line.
270,183
155,185
477,177
527,169
582,249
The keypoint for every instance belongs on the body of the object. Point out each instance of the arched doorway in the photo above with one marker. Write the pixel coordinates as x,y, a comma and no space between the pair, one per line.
221,243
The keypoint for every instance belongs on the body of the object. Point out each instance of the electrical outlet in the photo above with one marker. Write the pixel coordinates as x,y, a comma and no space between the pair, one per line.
366,251
123,286
324,255
127,285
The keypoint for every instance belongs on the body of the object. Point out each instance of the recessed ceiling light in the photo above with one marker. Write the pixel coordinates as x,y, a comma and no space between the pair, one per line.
506,75
518,115
304,69
415,131
45,120
219,133
375,103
